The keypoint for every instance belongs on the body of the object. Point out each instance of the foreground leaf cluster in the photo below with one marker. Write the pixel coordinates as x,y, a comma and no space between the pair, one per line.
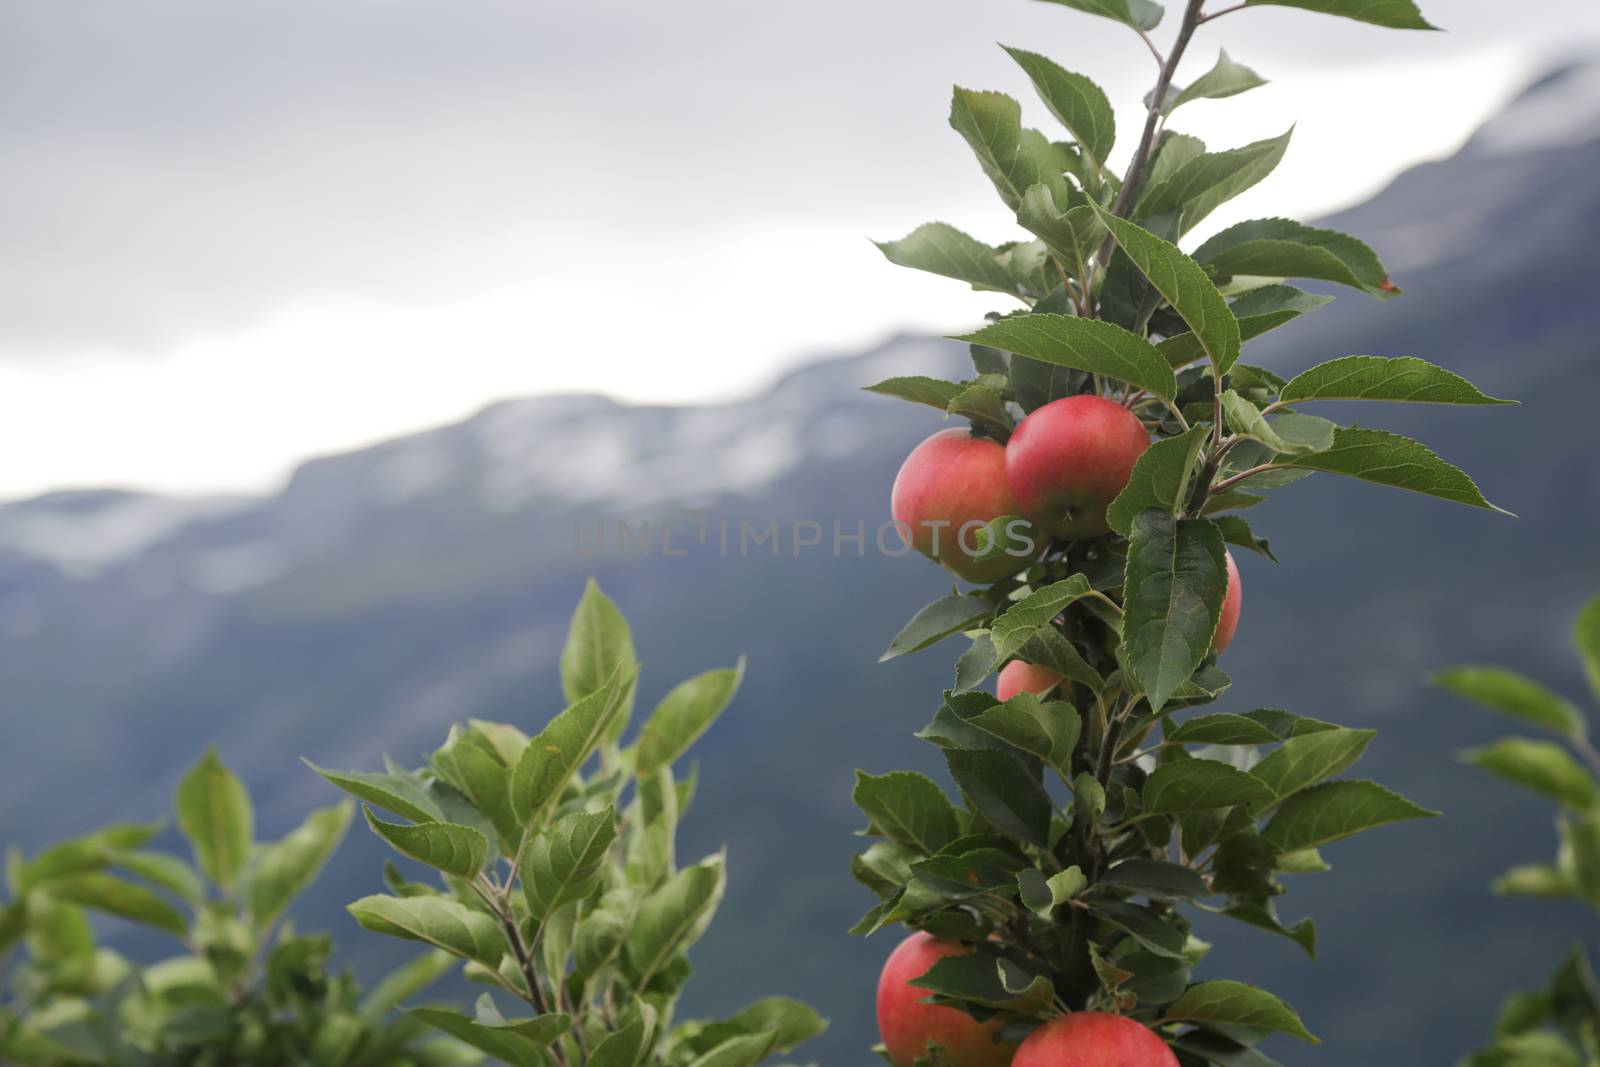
1558,1026
558,885
233,983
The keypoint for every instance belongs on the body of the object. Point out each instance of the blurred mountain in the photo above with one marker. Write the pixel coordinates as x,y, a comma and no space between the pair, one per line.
388,592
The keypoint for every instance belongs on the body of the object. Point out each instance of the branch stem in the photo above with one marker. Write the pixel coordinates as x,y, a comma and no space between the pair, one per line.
1228,483
1152,120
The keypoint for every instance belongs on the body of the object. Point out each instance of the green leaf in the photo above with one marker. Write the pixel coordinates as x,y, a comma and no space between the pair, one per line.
214,813
1156,879
683,715
1185,286
1581,838
1173,599
1222,1051
907,808
1265,917
1160,478
563,863
1246,420
1305,761
112,895
1001,790
1536,880
287,866
1394,14
745,1050
1258,311
1334,811
1403,379
502,1042
453,849
1077,103
1015,159
1206,182
1140,14
979,978
1586,636
942,249
599,645
1237,531
1074,234
983,402
87,852
162,870
434,920
1389,459
554,756
1050,649
1042,895
1517,696
472,764
673,917
1047,730
939,620
624,1047
1091,345
1147,929
1541,766
392,792
1284,248
792,1021
1222,729
976,663
1201,784
1013,629
1226,78
918,389
1230,1003
1286,724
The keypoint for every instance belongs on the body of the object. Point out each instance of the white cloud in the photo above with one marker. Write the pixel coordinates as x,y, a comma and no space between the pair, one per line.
352,244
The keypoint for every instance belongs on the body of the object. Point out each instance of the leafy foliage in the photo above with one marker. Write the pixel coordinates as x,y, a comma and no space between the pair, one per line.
1087,825
559,882
1560,1024
236,985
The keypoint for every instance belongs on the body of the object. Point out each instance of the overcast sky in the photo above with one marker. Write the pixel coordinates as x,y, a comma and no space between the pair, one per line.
241,233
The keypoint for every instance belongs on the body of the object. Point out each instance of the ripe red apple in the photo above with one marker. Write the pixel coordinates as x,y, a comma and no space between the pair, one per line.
1069,459
950,485
907,1025
1017,676
1094,1039
1231,604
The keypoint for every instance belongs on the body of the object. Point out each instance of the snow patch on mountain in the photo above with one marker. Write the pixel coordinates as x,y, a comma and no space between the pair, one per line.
82,533
1562,108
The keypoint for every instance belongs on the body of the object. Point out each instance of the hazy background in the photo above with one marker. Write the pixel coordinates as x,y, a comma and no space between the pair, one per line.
241,235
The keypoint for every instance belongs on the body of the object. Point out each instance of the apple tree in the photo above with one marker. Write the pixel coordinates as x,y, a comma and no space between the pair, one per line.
1558,1026
1112,439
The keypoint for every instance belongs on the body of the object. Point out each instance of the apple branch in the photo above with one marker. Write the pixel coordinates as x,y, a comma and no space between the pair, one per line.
1152,120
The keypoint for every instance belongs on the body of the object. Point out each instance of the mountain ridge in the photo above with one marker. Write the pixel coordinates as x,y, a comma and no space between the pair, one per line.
388,591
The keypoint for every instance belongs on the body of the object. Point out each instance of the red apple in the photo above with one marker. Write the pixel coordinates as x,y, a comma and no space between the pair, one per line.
1094,1039
1231,604
1069,459
1017,676
950,485
906,1024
